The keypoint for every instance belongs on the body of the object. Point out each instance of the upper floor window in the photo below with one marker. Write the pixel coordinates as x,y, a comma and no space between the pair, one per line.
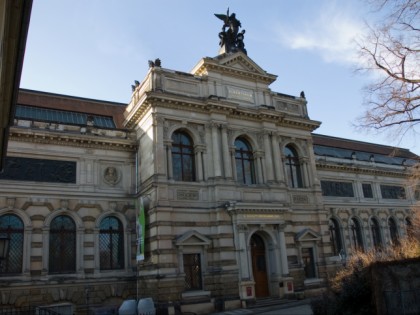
62,249
111,244
11,226
392,192
183,157
337,189
335,236
293,168
367,190
244,162
376,233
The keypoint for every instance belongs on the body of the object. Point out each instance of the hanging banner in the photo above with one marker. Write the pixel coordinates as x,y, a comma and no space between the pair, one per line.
141,228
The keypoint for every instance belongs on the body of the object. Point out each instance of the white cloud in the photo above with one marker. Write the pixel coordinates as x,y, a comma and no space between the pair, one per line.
331,33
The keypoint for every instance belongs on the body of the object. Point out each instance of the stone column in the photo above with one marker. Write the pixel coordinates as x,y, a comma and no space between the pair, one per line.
268,158
278,167
160,147
305,170
169,160
199,161
259,174
283,252
245,269
216,150
232,156
226,155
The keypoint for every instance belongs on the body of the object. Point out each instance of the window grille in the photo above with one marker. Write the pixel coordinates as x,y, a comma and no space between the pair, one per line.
192,269
62,249
111,244
11,226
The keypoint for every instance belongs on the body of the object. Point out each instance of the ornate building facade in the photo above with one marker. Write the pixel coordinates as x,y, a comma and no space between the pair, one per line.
242,200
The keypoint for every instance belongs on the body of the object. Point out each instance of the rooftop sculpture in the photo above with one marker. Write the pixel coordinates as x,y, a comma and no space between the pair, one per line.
231,40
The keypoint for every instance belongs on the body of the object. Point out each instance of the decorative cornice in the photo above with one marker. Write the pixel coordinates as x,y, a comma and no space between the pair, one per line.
66,139
359,170
228,108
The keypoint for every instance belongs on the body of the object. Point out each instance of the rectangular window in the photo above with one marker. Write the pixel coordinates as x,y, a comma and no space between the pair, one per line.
337,189
39,170
392,192
192,269
367,191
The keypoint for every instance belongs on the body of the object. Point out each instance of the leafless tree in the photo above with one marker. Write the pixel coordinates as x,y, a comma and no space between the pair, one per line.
391,53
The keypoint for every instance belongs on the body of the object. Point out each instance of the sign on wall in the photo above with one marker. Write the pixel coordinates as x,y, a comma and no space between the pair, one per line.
141,228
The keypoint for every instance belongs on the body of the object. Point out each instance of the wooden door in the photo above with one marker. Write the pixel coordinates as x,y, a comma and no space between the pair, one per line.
259,266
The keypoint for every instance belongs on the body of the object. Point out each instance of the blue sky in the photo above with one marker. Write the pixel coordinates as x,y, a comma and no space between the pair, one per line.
97,48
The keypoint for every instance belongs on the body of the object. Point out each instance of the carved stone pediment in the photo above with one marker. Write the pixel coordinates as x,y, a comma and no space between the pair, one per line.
237,64
192,238
307,235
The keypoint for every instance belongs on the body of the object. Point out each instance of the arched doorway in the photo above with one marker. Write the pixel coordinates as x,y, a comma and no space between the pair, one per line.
259,266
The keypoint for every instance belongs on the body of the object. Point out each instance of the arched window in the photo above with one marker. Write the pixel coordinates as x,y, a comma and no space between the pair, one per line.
244,162
11,226
293,168
356,234
111,244
376,233
183,157
62,250
335,236
393,231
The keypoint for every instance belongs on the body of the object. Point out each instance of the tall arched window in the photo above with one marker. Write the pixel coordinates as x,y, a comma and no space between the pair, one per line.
335,236
356,234
11,226
62,249
183,157
376,233
293,167
111,244
244,162
393,231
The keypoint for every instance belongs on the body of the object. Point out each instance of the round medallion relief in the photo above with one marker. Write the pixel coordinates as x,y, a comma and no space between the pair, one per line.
111,175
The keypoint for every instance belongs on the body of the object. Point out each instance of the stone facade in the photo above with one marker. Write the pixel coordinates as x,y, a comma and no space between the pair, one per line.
224,224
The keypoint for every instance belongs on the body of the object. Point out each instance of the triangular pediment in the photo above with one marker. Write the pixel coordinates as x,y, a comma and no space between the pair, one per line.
192,238
307,235
240,61
237,64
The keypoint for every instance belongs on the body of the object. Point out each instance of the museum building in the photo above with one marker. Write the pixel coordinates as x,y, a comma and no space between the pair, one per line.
242,199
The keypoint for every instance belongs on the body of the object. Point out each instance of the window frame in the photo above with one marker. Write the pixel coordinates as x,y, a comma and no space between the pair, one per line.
59,232
293,166
13,233
103,232
244,162
182,154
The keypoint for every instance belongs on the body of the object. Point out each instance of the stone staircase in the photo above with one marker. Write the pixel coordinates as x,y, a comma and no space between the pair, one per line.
269,301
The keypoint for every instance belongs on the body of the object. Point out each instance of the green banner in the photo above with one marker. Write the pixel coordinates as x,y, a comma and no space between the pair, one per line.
141,228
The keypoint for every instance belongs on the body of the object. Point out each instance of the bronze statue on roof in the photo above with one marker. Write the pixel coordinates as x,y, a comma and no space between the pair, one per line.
231,40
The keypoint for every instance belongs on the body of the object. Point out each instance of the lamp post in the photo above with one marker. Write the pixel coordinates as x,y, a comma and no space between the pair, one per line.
4,250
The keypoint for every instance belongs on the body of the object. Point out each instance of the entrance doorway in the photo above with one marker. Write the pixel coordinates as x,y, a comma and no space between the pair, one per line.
259,266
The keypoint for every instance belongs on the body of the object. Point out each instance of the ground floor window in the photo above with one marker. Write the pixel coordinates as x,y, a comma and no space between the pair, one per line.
309,262
192,269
